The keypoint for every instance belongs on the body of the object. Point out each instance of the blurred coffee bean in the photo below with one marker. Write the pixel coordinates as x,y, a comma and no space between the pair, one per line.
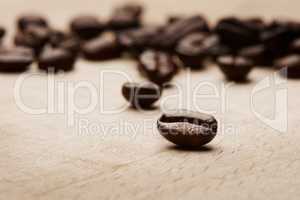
256,22
235,68
194,49
219,50
103,47
2,32
26,20
289,66
257,54
173,18
187,128
56,59
137,40
159,67
34,37
59,39
141,95
278,36
125,17
295,46
236,33
172,33
86,27
16,59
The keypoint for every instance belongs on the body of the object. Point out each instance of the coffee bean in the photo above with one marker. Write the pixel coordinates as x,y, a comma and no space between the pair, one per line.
125,17
2,32
137,40
15,59
56,59
27,20
295,46
172,33
237,33
219,50
59,39
187,128
257,54
141,95
103,47
34,37
289,66
235,68
278,36
173,18
159,67
86,27
194,49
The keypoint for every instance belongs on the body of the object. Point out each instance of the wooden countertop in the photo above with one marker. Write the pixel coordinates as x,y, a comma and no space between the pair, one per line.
112,156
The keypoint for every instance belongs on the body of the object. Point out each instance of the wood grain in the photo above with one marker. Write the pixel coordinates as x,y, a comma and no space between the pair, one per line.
41,157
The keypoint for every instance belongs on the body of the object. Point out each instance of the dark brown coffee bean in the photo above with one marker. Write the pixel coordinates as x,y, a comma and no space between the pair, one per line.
237,33
187,128
2,32
137,40
34,37
174,18
194,49
16,59
172,33
159,67
235,68
289,66
141,95
295,46
104,47
86,27
56,59
27,20
59,39
125,17
278,36
219,50
257,54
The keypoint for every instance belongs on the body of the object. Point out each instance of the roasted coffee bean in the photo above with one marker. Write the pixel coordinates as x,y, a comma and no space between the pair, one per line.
289,66
173,18
219,50
103,47
27,20
235,68
159,67
194,49
137,40
257,54
187,128
141,95
172,33
256,23
278,36
56,59
59,39
2,32
34,37
86,27
295,46
16,59
237,33
125,17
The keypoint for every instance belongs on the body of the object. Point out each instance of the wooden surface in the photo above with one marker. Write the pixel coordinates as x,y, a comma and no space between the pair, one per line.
41,157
